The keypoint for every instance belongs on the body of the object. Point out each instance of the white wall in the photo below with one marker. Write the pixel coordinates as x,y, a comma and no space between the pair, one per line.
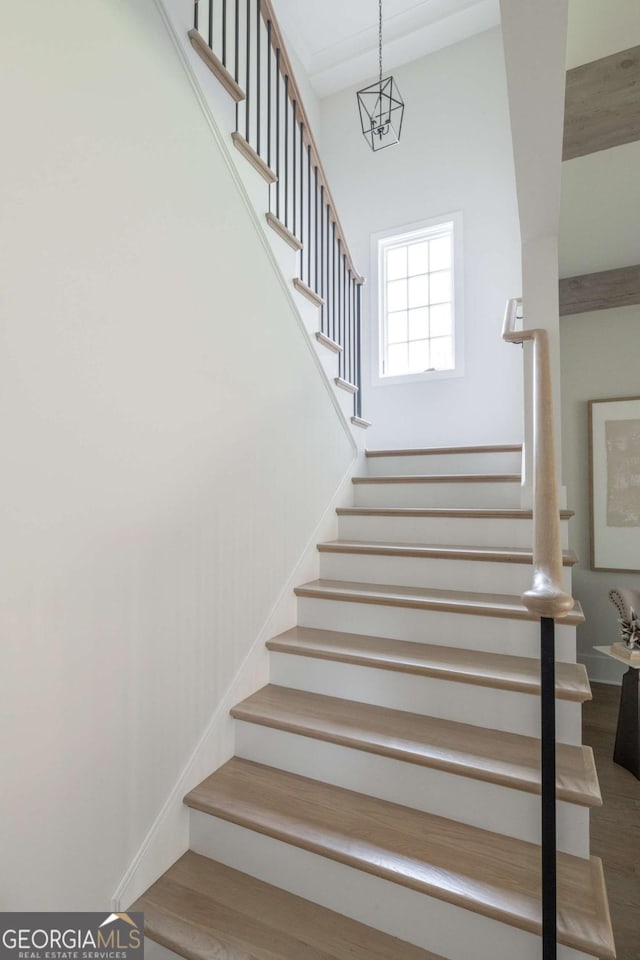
168,444
599,213
455,154
600,352
598,29
600,358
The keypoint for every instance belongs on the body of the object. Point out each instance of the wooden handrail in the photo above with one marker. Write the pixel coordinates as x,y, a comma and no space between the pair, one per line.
286,69
547,597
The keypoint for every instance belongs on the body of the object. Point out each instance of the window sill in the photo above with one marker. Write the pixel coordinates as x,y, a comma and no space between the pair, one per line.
405,380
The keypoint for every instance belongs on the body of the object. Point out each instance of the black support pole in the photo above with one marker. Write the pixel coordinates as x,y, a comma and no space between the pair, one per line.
549,840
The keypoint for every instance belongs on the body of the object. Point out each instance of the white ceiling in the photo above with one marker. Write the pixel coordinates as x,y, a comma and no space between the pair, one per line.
337,40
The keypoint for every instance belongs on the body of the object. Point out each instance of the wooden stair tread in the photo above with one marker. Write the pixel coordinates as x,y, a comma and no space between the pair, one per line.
201,909
507,759
445,552
428,451
489,874
481,513
442,478
427,598
500,670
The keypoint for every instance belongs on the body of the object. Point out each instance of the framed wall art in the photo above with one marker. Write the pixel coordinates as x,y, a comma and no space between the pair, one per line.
614,456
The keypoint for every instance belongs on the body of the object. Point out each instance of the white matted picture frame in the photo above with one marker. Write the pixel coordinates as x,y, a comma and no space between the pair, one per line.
614,468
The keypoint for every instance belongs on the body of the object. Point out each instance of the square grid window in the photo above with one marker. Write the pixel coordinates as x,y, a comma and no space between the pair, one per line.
417,302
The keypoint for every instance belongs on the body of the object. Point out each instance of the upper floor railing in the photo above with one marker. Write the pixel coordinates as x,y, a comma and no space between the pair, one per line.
273,129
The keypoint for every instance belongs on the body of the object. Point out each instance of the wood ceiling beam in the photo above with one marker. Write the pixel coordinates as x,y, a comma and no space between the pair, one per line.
600,291
602,105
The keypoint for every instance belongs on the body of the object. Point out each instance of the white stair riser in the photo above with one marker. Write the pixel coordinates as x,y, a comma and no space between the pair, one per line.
431,924
452,531
449,463
437,494
465,702
477,576
521,638
489,806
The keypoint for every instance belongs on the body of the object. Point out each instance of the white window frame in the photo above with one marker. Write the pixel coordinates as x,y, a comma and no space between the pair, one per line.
407,232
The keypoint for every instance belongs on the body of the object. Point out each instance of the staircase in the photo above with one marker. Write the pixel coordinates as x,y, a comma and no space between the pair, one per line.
383,800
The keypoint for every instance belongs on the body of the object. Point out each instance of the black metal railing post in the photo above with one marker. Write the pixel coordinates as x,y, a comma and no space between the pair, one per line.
548,764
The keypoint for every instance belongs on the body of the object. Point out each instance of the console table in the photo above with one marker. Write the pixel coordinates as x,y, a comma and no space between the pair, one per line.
627,748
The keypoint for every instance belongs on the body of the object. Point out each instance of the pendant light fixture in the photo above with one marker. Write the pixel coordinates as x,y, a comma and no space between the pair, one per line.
381,106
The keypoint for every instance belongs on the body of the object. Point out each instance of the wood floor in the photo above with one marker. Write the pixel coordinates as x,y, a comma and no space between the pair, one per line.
615,827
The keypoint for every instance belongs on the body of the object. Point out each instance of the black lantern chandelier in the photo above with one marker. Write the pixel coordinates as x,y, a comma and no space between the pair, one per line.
381,106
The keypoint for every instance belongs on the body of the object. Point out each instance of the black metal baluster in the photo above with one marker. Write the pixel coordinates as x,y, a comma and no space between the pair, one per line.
347,322
340,317
278,132
334,302
323,314
286,150
329,303
310,251
352,375
353,329
236,55
302,199
345,317
224,33
358,351
549,837
247,92
343,337
317,225
210,25
269,58
195,15
258,75
294,164
236,42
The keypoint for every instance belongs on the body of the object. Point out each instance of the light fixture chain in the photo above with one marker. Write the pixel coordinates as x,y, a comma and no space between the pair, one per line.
380,36
380,105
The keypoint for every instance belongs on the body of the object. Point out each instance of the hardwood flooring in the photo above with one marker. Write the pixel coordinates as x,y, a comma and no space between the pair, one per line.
615,827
